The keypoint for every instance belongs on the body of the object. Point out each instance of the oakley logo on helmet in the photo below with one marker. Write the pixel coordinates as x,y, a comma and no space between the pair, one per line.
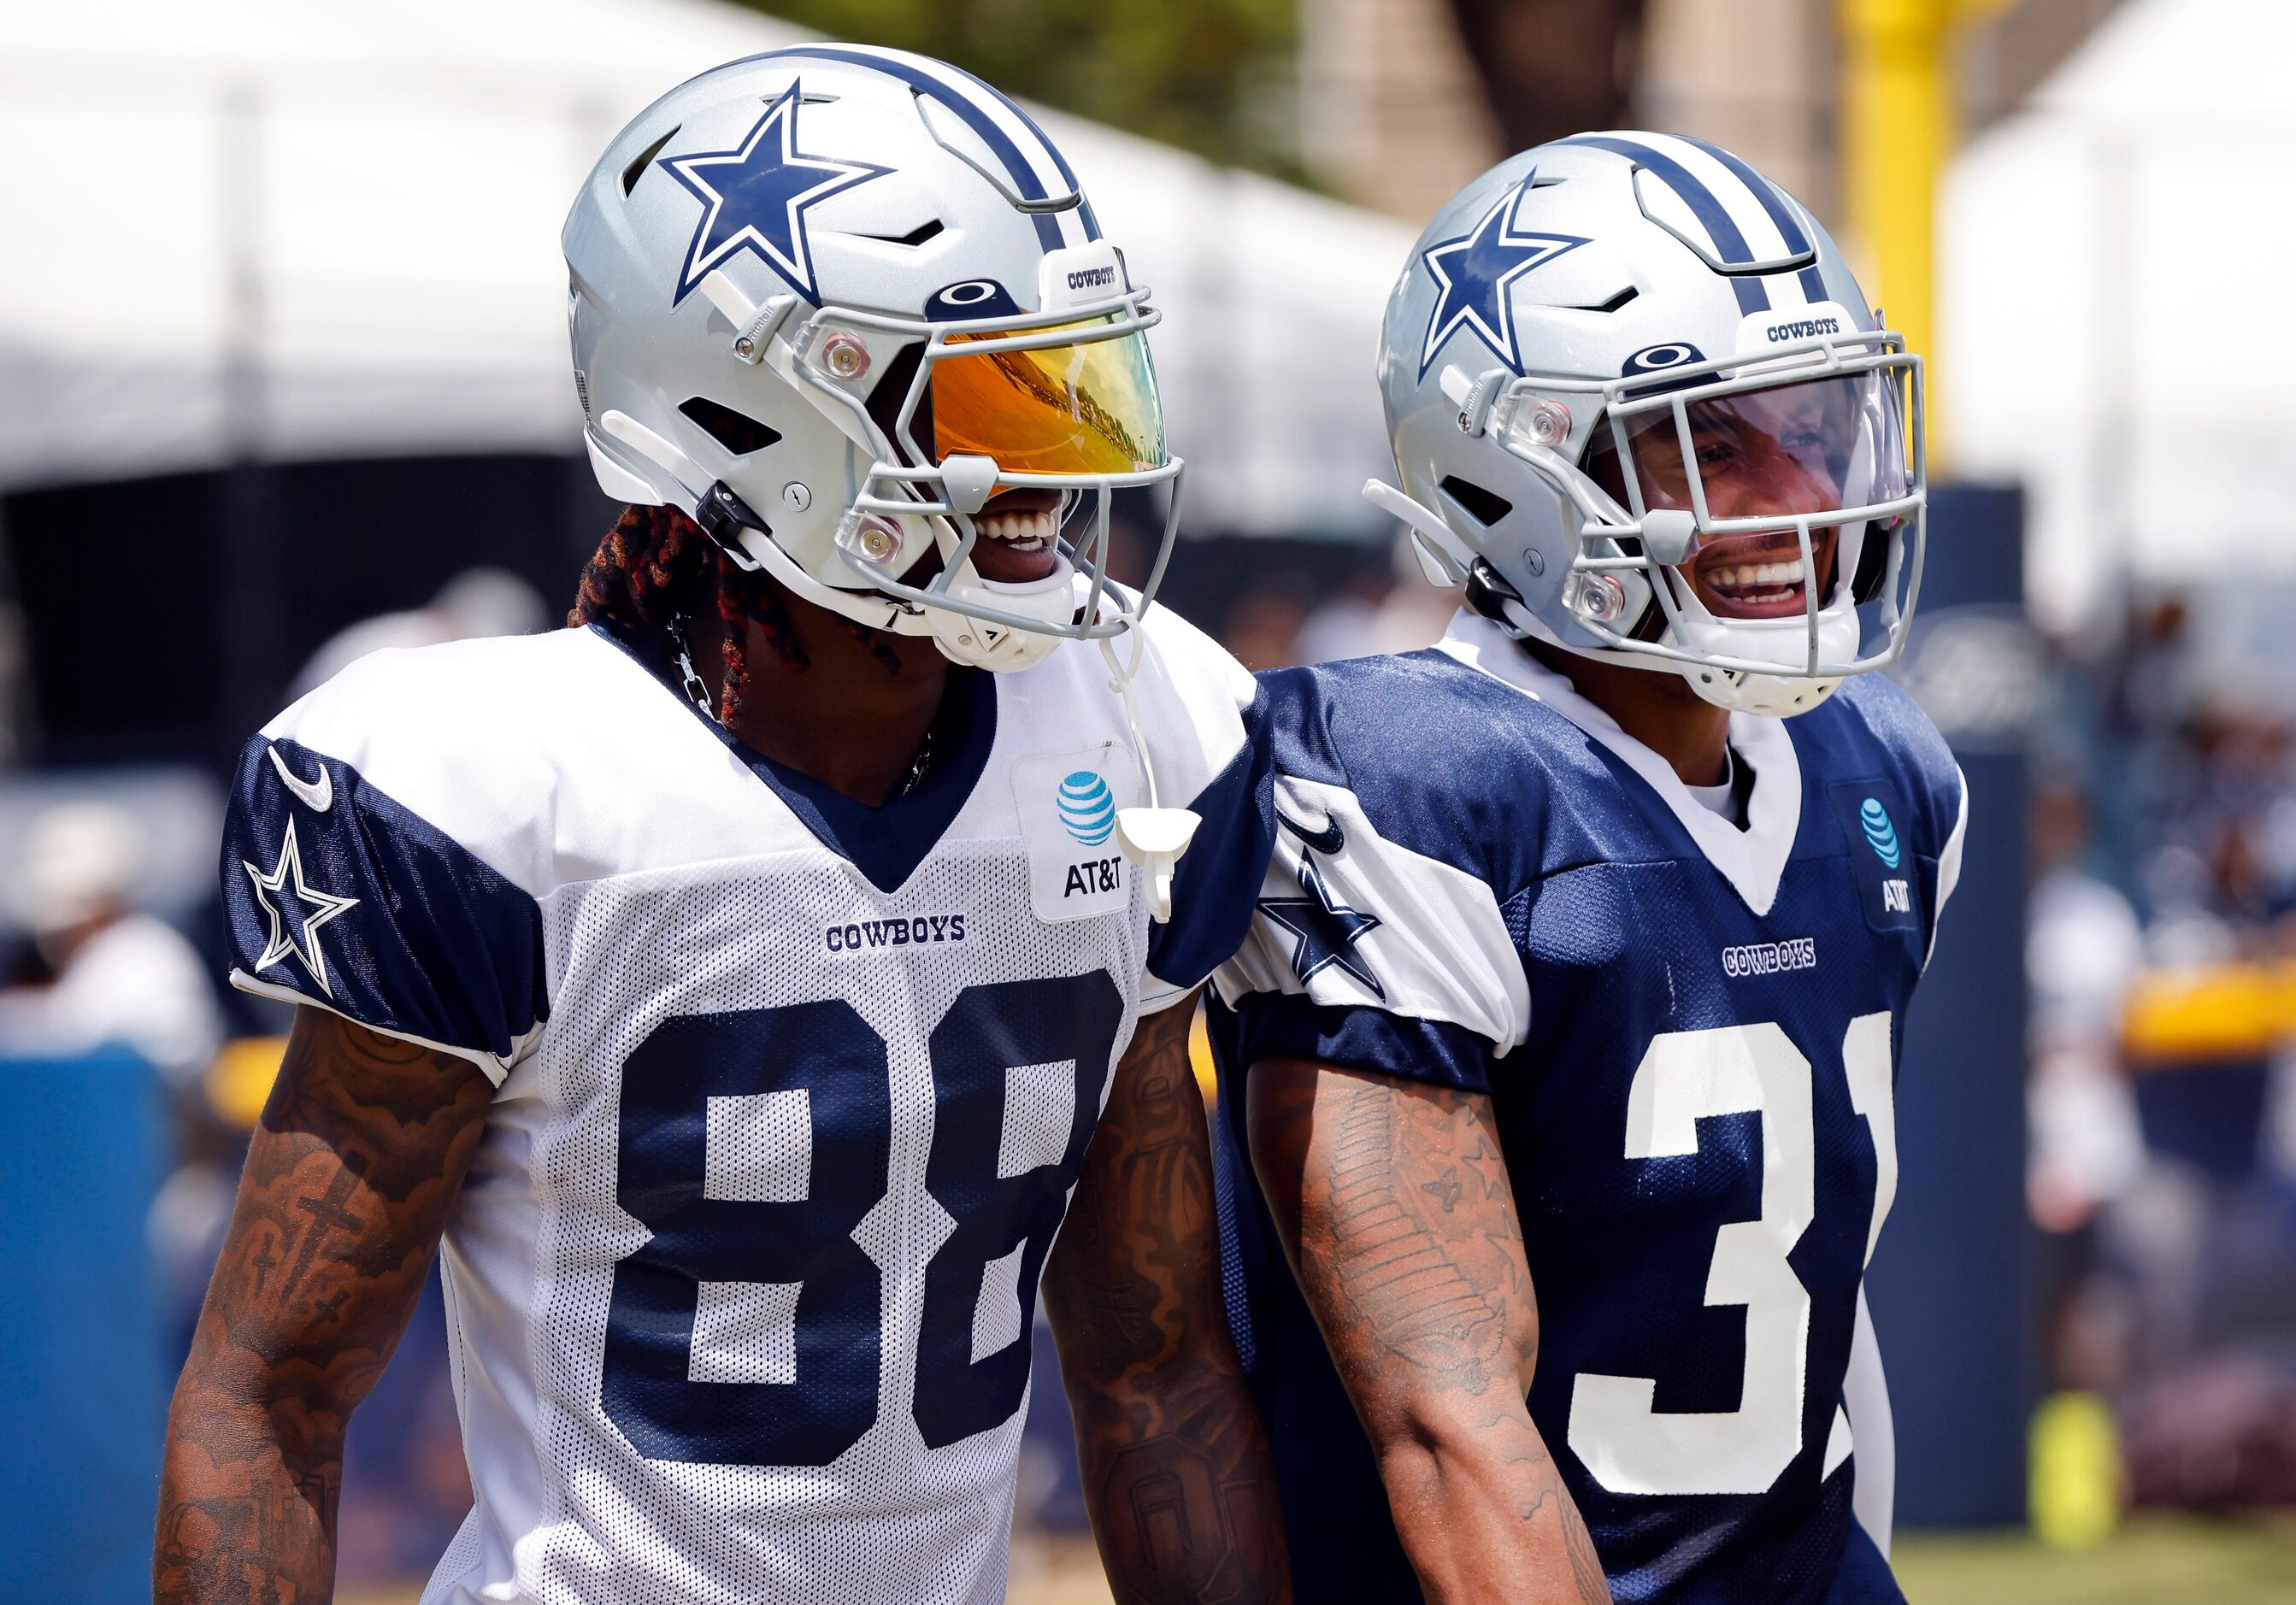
1657,359
1593,556
974,297
755,199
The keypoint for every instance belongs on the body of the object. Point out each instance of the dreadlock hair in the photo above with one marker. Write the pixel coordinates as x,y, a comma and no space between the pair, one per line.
655,566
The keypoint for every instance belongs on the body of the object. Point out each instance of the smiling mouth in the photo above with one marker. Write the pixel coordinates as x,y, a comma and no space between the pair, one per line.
1751,583
1019,537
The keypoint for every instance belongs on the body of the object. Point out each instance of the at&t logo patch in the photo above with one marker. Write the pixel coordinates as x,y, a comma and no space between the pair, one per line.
1087,808
1068,803
1881,835
1881,858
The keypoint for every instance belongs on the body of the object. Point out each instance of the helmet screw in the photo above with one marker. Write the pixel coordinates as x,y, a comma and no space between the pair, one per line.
877,543
745,347
796,497
845,356
1534,560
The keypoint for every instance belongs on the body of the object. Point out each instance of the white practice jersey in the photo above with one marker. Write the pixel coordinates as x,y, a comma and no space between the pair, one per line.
792,1092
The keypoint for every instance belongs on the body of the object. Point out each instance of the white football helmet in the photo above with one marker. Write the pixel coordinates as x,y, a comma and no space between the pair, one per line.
1642,410
829,301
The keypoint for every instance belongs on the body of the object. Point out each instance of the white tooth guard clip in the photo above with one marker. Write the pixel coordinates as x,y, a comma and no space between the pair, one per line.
1154,836
1154,839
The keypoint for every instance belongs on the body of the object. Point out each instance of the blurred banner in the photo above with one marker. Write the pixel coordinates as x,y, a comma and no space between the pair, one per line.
1947,1284
81,1396
361,209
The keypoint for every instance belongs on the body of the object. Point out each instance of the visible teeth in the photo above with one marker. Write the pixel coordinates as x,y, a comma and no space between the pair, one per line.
1026,531
1787,575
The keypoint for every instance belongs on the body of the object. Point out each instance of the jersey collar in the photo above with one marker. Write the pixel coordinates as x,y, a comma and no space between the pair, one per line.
1753,860
885,844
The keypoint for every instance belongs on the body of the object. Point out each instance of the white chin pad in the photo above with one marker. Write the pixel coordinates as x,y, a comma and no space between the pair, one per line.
1769,696
977,642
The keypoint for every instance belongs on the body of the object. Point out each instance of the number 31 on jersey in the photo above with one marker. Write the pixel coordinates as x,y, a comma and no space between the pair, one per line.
1686,1076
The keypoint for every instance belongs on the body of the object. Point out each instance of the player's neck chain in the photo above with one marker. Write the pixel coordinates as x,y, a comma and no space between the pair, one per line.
698,693
917,766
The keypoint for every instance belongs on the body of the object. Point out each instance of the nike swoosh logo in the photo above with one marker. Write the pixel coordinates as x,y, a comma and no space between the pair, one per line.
1328,839
318,796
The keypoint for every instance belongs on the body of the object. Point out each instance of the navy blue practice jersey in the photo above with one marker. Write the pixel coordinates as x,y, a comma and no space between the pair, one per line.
1688,1031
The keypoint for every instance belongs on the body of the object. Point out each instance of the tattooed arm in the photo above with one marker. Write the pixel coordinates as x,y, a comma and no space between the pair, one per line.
1177,1471
1394,1205
360,1148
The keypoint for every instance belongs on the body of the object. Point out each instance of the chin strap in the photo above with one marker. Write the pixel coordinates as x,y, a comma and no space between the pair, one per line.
1154,836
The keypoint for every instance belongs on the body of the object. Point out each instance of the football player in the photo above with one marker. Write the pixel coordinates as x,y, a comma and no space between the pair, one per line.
743,981
1563,1047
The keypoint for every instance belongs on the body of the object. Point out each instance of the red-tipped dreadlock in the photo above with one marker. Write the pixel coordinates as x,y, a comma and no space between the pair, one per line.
655,565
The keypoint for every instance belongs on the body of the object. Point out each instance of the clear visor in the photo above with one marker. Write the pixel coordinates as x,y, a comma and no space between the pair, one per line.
1085,407
1782,454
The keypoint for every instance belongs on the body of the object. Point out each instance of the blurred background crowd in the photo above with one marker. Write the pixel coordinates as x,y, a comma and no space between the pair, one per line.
283,381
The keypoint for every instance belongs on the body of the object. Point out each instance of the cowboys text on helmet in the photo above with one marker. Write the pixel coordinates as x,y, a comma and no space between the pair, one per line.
849,309
1641,408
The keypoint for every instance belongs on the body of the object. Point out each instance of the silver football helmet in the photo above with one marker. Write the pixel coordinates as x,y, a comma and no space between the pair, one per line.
831,301
1643,411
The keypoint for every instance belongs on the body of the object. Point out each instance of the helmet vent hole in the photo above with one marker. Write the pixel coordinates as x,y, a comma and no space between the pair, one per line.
1486,507
917,236
645,160
737,432
1618,300
892,389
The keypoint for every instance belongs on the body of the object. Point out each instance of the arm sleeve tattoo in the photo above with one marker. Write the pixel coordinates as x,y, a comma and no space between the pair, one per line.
1394,1203
1176,1469
360,1151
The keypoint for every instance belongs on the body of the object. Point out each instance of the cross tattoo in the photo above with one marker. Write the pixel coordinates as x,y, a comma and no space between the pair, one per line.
264,1263
325,1212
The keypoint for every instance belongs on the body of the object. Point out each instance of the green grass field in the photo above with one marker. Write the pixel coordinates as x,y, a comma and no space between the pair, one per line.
2157,1560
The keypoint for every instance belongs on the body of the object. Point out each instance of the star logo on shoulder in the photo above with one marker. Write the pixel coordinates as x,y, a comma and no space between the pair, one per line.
755,199
297,911
1324,931
1475,274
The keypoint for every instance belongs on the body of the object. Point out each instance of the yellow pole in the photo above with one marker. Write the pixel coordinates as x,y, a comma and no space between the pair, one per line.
1898,130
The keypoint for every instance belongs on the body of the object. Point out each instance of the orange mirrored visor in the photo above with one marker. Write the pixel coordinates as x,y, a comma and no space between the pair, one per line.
1087,408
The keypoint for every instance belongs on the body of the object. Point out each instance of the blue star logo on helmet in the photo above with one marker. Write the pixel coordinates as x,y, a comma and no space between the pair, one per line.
755,199
1881,835
1475,273
1087,807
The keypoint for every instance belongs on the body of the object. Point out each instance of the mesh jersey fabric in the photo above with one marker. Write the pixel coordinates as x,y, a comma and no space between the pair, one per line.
740,1284
1688,1033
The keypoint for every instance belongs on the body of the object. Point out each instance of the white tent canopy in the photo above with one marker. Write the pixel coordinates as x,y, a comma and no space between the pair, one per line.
2113,304
294,229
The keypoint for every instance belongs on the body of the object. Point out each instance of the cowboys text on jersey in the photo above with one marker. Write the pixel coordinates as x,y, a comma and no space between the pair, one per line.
1687,1032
